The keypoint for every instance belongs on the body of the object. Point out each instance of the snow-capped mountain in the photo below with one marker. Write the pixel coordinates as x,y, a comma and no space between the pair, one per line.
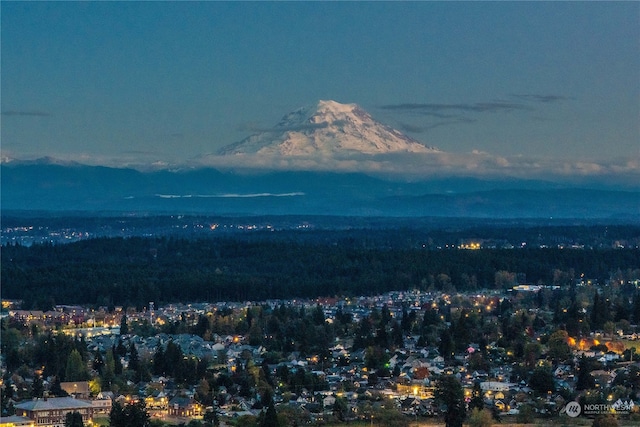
328,128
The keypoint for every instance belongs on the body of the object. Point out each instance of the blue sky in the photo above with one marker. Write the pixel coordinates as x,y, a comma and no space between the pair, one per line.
552,83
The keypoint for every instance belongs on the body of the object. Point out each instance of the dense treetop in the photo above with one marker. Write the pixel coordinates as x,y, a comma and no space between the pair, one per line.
132,271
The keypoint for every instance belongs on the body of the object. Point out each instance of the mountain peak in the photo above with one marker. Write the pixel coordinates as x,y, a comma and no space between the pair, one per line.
329,105
327,128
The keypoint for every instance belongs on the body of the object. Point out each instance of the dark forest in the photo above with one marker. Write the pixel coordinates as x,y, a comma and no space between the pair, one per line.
133,271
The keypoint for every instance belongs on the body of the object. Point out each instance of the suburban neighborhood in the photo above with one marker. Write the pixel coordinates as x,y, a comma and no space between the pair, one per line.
519,355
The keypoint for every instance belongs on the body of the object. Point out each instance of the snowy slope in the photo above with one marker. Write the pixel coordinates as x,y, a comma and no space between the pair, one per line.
326,129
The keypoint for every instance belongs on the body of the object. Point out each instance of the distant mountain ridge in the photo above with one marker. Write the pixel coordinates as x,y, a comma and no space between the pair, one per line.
328,128
49,186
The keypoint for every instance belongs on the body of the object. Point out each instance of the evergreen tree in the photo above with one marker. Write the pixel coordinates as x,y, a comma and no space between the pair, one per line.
596,317
447,346
134,360
37,388
600,312
450,393
375,357
477,401
249,317
362,337
318,315
397,337
124,325
635,308
405,322
73,419
211,418
461,331
269,418
585,379
117,363
6,395
202,326
385,315
541,380
56,389
132,415
430,317
117,416
109,369
621,309
81,345
558,345
340,408
532,351
159,361
173,361
120,349
382,338
138,415
76,369
98,362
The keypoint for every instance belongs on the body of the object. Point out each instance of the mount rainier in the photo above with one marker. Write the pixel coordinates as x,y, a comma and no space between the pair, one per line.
327,129
329,159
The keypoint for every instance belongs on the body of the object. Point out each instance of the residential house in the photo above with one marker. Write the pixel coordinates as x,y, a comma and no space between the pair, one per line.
185,407
328,401
102,403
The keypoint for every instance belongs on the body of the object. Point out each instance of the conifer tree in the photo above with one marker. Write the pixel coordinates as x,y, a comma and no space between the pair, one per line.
37,388
269,418
117,363
124,325
73,419
76,369
134,360
159,361
477,402
108,371
450,393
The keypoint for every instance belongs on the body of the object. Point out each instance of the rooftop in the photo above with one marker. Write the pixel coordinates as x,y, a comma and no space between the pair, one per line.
53,403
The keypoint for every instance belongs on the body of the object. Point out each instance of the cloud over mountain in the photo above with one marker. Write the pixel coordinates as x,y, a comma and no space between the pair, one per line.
344,138
436,164
334,137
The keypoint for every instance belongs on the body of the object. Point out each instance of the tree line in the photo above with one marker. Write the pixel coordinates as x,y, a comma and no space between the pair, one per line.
134,271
